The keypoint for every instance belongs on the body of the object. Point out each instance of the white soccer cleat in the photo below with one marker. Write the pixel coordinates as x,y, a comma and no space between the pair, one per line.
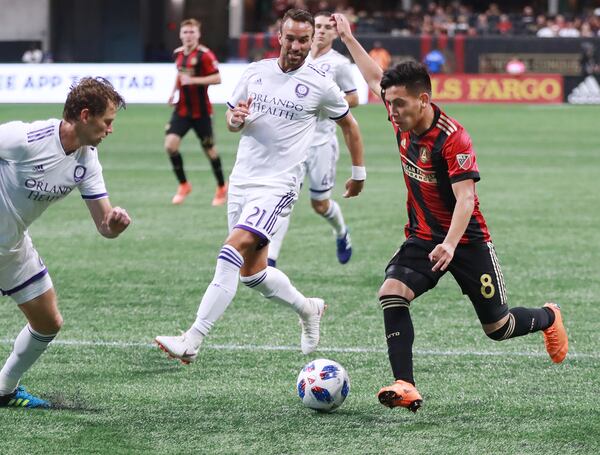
310,322
177,347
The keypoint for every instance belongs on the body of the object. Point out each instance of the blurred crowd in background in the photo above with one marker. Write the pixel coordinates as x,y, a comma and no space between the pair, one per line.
443,18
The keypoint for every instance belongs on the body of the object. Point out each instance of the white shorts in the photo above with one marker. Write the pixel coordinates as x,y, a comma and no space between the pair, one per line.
260,208
320,168
23,275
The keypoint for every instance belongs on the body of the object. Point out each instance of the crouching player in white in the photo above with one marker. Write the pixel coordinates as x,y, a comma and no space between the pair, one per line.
324,148
275,106
40,163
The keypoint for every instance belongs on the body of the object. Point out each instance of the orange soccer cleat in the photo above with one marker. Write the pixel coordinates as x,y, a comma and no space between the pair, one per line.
401,393
182,192
555,336
220,195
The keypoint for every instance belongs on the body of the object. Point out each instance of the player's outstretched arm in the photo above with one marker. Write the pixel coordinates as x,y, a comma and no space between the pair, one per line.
236,117
370,70
353,140
110,221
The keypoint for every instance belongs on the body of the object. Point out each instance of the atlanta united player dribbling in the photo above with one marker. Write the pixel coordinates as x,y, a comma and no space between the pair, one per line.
41,163
275,106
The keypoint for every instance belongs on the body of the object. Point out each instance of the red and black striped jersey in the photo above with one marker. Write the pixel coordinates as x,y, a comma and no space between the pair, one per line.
431,163
193,99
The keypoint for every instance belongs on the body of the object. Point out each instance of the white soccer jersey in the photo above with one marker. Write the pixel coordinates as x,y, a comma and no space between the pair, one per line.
35,172
283,115
338,67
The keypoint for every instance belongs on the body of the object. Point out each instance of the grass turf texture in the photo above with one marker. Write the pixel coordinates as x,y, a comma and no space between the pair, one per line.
539,193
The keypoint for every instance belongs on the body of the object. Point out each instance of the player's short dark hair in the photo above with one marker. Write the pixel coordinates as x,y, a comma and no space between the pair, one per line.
322,13
298,15
412,75
93,93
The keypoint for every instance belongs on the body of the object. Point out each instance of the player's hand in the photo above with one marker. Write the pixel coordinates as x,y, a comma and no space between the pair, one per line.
117,220
185,79
441,255
171,100
240,112
353,187
342,25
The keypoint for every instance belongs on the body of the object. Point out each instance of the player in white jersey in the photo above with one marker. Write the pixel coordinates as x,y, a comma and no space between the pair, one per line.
324,149
41,163
275,106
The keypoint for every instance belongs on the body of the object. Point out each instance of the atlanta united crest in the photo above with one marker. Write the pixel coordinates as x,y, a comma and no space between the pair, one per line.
424,155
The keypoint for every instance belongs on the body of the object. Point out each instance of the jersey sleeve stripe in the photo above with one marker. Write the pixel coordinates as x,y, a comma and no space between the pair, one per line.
341,116
231,106
94,196
350,91
446,125
448,122
40,131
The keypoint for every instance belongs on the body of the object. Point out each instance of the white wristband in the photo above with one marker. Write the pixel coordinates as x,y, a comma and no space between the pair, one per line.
359,173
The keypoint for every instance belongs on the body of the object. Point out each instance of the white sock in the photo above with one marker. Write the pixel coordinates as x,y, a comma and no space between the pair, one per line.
277,238
29,346
218,295
334,216
273,284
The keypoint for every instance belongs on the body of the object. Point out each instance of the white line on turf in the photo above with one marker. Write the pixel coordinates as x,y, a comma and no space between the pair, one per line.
360,350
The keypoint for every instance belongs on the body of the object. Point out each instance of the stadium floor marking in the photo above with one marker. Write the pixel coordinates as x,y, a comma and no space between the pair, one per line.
360,350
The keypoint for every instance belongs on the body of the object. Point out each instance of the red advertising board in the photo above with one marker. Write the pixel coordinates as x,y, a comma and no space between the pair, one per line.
498,88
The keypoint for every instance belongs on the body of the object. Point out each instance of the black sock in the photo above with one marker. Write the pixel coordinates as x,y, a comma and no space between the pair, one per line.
177,162
523,321
399,335
216,167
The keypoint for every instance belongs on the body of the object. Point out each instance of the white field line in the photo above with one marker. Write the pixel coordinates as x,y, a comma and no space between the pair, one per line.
361,350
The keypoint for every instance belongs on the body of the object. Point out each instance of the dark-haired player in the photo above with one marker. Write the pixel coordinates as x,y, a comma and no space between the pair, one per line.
445,231
197,68
41,163
275,107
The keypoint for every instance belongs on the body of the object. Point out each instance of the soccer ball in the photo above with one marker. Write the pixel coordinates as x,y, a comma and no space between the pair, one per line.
323,385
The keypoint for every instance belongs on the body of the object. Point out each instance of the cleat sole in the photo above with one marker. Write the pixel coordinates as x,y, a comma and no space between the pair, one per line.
390,399
169,355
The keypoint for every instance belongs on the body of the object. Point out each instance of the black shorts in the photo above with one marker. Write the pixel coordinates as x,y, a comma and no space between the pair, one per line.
475,268
202,126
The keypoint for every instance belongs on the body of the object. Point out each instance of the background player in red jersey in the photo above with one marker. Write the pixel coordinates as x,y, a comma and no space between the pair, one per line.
445,229
197,68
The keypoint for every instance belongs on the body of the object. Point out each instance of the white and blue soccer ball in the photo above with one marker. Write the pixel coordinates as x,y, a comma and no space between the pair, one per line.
323,385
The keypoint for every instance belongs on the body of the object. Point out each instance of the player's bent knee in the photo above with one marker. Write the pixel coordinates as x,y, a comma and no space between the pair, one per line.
502,330
49,325
320,206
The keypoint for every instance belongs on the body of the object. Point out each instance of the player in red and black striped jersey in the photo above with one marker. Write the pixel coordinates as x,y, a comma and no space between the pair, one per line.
445,229
197,68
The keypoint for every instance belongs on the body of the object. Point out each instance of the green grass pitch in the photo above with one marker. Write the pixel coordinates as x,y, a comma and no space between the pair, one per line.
540,168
